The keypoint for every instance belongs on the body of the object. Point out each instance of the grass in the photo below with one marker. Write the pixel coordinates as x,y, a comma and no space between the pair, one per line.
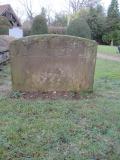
107,49
88,129
107,69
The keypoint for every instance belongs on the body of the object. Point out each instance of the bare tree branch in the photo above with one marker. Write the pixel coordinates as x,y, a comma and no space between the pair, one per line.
27,4
76,5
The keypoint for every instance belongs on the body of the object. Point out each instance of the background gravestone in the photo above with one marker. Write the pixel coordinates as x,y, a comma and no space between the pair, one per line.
53,63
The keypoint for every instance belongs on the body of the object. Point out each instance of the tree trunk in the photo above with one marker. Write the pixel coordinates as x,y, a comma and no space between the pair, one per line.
112,42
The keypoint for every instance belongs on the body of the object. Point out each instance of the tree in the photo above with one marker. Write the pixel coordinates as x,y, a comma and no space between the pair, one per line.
112,38
43,12
82,13
79,27
112,24
48,12
76,5
27,5
96,21
113,10
39,25
60,20
27,25
27,8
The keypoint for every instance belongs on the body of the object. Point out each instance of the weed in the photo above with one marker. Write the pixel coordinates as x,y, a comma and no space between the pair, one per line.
16,94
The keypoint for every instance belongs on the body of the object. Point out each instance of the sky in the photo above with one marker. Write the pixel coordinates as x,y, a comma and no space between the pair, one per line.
51,5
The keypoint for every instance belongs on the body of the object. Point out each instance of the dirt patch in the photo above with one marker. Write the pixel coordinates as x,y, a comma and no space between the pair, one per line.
53,95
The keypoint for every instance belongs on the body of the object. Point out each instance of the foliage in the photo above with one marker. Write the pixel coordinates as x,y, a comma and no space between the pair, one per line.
4,26
96,20
39,25
112,37
61,20
79,27
113,10
15,94
82,13
113,24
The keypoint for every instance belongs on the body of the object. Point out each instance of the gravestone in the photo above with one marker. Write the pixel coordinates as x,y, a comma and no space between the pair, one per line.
16,32
53,63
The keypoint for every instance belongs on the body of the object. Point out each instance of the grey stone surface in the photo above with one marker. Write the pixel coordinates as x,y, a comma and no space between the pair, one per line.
53,63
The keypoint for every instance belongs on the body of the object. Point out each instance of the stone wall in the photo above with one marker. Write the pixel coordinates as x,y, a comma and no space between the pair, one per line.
4,47
53,63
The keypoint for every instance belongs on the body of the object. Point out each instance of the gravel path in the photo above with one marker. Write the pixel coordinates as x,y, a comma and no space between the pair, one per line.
109,57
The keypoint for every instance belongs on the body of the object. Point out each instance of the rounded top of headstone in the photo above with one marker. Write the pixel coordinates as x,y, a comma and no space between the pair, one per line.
42,44
43,37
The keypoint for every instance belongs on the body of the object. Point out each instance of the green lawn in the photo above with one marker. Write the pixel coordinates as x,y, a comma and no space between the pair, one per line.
107,49
88,129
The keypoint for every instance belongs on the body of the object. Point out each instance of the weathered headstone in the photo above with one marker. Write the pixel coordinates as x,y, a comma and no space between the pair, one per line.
53,63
